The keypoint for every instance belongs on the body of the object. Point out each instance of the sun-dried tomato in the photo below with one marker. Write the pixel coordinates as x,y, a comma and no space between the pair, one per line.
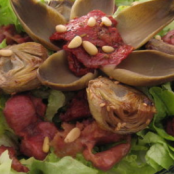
99,35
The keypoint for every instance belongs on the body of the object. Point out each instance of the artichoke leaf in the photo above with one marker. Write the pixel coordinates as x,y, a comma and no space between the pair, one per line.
160,45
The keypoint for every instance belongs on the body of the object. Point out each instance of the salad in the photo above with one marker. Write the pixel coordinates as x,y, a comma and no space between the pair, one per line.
50,126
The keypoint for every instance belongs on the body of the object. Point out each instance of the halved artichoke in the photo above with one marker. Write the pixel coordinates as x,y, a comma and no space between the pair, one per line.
18,70
119,108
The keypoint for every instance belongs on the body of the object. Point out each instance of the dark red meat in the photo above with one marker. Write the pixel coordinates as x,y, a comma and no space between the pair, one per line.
91,136
24,114
32,143
99,35
23,110
77,67
40,108
77,109
20,112
12,36
61,148
169,37
16,165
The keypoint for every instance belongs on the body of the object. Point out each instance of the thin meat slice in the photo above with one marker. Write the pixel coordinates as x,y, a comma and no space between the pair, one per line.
91,136
61,148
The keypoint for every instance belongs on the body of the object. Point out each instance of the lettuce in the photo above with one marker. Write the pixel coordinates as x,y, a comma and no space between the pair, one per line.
131,165
7,15
150,151
3,125
127,2
5,164
119,9
55,101
164,102
159,154
149,154
3,44
7,136
53,164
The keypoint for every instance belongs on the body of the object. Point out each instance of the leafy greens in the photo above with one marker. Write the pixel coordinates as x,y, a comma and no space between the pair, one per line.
7,15
151,148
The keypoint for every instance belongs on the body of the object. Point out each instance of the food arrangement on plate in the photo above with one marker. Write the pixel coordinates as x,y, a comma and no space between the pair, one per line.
86,86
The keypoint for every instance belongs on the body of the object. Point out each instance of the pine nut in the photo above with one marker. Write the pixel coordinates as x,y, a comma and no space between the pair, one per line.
46,146
118,126
107,49
145,104
90,48
108,108
91,22
113,107
91,96
116,82
148,121
61,28
123,124
135,3
158,37
102,105
75,42
72,135
106,21
6,53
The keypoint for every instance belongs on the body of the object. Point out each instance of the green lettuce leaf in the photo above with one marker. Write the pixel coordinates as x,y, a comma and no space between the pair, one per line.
55,101
127,2
119,9
131,165
164,99
5,164
3,124
53,165
3,44
7,136
149,154
159,154
7,15
9,139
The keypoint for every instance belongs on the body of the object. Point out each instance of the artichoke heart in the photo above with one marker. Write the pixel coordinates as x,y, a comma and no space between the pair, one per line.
18,70
117,107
